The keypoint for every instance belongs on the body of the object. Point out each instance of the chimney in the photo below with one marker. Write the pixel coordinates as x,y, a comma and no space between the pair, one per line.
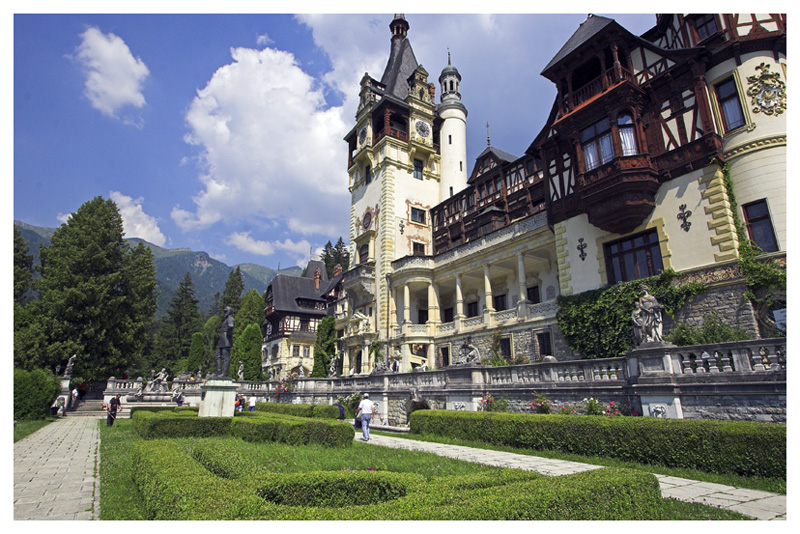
337,270
317,276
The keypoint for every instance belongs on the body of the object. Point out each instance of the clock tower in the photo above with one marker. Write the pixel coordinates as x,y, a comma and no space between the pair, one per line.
396,161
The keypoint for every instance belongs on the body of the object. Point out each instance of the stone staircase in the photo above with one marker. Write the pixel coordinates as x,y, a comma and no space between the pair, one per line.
89,408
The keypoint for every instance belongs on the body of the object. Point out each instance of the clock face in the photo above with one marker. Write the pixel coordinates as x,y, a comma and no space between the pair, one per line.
367,220
362,135
423,129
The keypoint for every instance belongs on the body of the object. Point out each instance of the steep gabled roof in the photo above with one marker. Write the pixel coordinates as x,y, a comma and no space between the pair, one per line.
588,29
286,290
498,155
400,66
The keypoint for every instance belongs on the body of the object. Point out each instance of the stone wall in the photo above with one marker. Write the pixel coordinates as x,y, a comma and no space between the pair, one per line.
766,408
727,300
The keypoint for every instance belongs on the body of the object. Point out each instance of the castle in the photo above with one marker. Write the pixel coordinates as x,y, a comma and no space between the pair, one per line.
623,181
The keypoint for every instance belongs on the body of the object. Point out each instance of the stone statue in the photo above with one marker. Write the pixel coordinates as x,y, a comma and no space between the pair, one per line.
58,369
223,356
70,363
333,366
467,354
380,368
241,371
301,372
160,381
650,313
638,324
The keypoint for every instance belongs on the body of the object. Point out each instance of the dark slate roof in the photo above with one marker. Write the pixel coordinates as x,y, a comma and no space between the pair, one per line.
501,155
402,64
588,29
287,289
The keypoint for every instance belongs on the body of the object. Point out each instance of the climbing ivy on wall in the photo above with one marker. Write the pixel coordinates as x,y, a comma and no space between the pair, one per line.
764,279
597,323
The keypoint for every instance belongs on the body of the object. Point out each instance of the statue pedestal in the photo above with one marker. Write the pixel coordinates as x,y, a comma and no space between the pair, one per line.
218,398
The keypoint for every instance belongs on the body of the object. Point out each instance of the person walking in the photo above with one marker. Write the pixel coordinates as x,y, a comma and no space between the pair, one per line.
74,397
252,404
113,407
366,410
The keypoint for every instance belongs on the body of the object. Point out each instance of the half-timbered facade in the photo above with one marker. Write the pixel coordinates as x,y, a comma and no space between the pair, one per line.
623,181
294,306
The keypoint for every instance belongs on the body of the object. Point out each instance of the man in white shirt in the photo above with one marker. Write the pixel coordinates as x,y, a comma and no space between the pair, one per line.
366,409
252,404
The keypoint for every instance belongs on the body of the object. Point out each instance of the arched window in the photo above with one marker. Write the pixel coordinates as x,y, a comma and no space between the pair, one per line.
627,134
451,85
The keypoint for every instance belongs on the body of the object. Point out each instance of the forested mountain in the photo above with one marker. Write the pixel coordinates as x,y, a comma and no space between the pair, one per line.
209,275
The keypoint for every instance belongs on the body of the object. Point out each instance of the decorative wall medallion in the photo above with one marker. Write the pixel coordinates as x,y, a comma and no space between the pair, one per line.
767,92
684,216
402,227
362,135
422,128
582,247
367,220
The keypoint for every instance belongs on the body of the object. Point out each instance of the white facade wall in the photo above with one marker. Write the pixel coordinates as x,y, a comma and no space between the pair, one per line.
453,143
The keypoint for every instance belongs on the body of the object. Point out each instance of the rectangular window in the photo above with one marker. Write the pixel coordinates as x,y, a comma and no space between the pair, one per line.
505,347
472,309
499,302
368,174
597,145
418,215
419,249
306,352
445,356
447,315
422,315
449,139
705,25
533,295
418,169
296,351
543,340
759,226
730,105
634,257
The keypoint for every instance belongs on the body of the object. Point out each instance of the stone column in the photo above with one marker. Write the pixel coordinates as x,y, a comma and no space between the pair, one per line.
488,307
459,298
393,308
406,303
433,304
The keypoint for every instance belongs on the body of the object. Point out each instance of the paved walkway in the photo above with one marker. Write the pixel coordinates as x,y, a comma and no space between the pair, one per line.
55,471
752,503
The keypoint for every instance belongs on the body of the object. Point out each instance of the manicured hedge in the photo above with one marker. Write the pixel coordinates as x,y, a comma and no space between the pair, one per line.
738,447
172,409
165,424
293,430
300,410
176,486
184,423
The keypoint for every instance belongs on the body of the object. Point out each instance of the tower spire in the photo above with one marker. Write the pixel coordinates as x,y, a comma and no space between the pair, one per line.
488,139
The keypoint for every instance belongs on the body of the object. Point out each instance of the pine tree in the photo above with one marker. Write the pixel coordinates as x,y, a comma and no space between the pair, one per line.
23,267
197,353
251,312
214,308
327,258
96,296
324,347
232,294
175,333
247,349
341,254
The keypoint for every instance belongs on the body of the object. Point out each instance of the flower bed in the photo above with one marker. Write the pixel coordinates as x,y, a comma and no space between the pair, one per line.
737,447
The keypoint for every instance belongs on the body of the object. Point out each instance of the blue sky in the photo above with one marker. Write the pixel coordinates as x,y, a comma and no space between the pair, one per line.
223,133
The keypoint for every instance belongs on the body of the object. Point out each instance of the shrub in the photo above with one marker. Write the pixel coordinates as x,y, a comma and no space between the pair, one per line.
293,430
34,392
150,425
488,403
737,447
298,410
541,404
713,331
325,411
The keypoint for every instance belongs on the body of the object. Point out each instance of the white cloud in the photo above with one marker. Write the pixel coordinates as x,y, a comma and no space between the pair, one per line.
271,149
114,77
135,222
263,40
63,217
243,241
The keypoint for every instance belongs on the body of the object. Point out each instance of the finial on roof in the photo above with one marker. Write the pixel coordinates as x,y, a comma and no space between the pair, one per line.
488,140
448,55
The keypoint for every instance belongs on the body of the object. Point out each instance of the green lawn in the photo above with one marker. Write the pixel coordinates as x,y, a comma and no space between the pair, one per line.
773,485
120,500
25,428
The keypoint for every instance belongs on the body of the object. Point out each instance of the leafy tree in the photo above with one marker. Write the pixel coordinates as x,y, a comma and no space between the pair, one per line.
247,349
324,347
251,312
34,393
197,353
232,294
23,267
175,333
96,296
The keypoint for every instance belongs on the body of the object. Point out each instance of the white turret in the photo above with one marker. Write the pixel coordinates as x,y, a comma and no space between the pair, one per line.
453,133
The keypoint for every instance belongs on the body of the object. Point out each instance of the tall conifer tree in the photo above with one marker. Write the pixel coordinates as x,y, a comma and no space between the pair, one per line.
183,319
232,294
